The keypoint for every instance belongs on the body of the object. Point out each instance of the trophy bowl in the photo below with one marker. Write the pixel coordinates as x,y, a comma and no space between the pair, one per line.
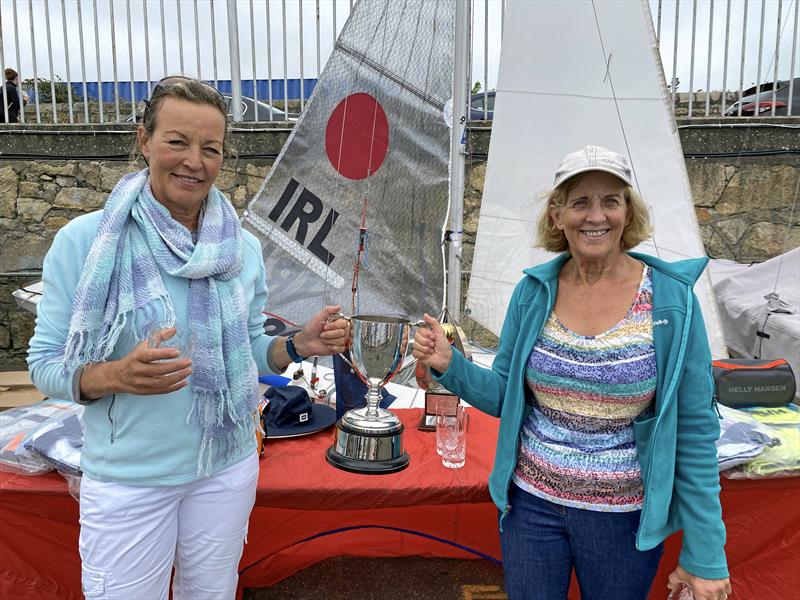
369,440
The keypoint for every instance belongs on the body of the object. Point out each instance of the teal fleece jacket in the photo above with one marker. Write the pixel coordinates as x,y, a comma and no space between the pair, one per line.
675,441
132,439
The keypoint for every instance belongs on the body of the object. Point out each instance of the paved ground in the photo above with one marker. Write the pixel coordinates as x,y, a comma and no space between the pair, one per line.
415,578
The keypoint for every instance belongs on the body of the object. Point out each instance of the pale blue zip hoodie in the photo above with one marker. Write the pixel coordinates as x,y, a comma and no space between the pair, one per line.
131,439
675,442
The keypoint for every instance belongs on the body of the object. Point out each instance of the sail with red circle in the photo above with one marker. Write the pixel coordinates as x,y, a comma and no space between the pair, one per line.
358,196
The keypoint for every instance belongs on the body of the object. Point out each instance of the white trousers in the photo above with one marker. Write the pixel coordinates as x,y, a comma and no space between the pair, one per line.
132,536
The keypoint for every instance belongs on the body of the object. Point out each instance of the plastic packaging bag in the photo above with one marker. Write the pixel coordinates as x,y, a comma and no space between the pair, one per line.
782,459
73,485
741,438
59,441
17,424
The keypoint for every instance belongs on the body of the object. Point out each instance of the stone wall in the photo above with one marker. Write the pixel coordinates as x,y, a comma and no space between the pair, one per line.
745,209
743,199
698,100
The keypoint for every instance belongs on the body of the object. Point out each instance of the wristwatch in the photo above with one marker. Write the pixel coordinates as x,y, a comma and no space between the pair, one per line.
291,350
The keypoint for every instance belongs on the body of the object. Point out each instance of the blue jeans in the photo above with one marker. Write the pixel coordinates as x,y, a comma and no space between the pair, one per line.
542,542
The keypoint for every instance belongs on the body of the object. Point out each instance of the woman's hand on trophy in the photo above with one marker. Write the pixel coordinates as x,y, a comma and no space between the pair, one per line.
323,337
431,347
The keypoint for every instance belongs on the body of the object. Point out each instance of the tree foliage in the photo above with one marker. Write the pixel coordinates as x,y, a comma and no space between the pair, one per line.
46,90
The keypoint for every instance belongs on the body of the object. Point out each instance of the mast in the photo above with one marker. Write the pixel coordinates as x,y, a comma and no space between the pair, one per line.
457,142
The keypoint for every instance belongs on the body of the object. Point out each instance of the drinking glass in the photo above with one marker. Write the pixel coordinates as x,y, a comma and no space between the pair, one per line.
444,414
454,439
183,340
441,423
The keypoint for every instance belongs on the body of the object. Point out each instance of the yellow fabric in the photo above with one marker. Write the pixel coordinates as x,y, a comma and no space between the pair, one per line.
780,415
783,458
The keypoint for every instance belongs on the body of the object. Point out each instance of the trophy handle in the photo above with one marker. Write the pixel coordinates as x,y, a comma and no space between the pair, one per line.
422,373
336,317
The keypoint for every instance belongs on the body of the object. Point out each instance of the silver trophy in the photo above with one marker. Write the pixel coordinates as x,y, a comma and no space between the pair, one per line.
369,439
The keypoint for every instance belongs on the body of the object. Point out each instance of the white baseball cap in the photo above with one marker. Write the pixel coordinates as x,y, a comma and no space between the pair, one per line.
593,158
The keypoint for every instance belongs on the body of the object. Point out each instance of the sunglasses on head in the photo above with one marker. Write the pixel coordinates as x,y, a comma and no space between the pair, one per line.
165,83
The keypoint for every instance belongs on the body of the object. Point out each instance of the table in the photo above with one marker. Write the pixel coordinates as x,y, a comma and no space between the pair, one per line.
306,511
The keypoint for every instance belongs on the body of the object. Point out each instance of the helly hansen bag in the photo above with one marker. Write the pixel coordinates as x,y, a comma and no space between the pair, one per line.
751,382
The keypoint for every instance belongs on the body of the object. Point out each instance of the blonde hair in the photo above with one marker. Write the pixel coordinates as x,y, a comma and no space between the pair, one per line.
552,239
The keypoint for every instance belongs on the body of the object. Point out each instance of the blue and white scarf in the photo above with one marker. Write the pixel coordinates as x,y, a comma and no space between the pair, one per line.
137,237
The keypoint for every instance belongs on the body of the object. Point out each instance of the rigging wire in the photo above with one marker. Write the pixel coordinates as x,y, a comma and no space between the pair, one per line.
444,235
362,229
363,232
773,296
607,62
789,226
339,184
737,164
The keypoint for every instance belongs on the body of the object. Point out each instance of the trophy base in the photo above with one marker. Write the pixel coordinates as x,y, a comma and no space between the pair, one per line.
371,450
366,467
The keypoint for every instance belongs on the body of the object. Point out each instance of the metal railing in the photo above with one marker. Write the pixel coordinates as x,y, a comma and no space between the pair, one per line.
94,61
730,59
121,48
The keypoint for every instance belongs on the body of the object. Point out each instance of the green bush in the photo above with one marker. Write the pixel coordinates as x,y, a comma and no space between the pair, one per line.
46,90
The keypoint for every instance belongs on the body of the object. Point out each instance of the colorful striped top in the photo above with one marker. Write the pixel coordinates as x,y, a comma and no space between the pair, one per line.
577,447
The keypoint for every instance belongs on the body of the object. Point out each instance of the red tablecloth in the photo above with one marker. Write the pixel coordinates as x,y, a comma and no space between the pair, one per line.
307,511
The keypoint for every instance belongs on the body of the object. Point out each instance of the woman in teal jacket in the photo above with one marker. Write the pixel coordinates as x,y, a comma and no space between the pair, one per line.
603,386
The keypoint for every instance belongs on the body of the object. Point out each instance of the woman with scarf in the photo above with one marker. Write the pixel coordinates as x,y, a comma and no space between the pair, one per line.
602,382
169,458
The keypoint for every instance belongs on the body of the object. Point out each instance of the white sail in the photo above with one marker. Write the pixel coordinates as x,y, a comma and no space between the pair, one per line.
558,63
373,130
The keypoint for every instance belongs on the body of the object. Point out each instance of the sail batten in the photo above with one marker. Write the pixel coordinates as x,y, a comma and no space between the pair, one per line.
419,93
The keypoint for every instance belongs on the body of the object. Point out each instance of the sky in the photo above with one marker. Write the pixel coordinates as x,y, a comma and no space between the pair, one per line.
38,21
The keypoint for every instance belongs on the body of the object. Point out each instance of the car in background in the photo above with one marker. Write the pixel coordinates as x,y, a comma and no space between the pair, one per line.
477,102
249,106
761,104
